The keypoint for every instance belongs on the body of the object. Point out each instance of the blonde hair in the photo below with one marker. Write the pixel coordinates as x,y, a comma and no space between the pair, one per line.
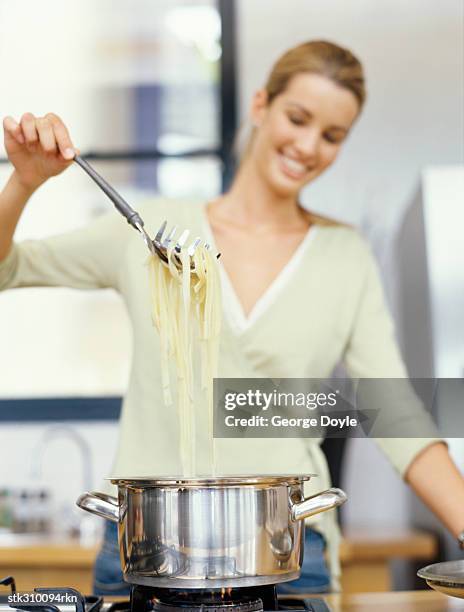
316,57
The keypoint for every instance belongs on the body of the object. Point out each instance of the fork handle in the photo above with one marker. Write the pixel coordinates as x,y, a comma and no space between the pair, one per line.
121,205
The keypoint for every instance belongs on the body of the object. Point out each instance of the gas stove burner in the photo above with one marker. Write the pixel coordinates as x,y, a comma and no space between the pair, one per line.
223,600
208,604
250,599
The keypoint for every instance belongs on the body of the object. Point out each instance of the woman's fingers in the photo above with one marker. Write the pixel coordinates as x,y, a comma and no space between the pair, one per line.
63,140
46,135
49,131
38,147
28,126
13,130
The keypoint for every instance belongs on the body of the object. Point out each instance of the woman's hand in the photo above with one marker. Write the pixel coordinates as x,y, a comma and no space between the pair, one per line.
38,147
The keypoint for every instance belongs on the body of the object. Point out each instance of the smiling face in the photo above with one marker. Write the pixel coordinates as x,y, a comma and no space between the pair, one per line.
299,134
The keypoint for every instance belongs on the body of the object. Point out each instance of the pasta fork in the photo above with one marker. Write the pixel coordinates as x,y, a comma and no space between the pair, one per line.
161,245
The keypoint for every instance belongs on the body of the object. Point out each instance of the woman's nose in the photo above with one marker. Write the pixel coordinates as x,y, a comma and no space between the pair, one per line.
308,144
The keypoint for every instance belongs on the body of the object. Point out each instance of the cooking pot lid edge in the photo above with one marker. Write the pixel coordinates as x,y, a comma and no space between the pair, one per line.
231,480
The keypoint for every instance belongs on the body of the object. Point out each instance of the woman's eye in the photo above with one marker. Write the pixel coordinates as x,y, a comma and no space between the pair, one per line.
296,120
332,139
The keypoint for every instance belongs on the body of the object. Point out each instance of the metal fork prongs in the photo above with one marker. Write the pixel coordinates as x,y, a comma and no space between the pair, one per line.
163,244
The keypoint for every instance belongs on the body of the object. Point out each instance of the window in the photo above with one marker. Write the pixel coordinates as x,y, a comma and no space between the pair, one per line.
148,92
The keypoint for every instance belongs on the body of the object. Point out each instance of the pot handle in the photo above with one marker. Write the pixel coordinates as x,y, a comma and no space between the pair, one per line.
100,504
317,503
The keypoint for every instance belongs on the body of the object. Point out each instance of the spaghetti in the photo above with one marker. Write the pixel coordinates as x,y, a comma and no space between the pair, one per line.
187,312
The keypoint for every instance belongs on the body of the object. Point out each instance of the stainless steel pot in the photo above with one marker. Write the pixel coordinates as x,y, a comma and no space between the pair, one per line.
210,533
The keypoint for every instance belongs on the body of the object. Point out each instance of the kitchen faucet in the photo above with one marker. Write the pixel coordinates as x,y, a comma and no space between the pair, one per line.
77,524
59,431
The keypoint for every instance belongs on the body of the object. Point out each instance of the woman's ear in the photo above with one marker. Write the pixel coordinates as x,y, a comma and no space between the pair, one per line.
258,107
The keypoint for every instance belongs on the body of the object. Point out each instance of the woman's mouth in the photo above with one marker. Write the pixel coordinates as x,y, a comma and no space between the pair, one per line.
292,168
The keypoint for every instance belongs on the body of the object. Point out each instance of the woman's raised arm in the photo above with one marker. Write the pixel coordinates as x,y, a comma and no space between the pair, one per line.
38,148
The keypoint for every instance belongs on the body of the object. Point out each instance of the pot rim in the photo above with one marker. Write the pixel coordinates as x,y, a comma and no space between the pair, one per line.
236,480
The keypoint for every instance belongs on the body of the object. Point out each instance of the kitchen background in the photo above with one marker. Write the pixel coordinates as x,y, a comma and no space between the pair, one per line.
144,77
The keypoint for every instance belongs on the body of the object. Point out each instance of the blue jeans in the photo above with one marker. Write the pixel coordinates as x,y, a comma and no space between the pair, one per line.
315,576
107,574
108,579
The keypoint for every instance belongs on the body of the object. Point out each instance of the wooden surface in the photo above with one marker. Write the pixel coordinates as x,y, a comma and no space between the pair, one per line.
68,555
386,543
366,554
44,562
406,601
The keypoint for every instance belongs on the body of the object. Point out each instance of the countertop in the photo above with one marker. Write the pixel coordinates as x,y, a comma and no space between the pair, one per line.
30,550
37,551
402,601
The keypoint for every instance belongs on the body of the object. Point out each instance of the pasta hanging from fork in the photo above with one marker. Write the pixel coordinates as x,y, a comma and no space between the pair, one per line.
186,311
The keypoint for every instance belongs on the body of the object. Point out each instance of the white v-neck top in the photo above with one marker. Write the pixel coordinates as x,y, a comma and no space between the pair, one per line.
232,307
327,305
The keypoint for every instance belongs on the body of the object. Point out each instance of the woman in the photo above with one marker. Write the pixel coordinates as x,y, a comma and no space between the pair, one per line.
301,292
